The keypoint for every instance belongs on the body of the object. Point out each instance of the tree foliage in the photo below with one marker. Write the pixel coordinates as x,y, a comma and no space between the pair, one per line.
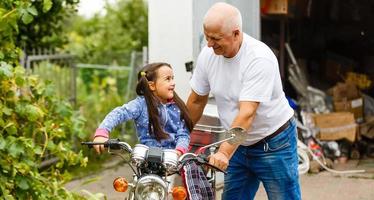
110,38
34,123
28,24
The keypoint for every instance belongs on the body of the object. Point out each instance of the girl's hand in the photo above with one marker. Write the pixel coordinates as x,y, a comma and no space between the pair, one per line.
179,153
99,148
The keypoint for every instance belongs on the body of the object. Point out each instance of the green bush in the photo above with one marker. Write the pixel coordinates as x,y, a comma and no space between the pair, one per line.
102,96
35,125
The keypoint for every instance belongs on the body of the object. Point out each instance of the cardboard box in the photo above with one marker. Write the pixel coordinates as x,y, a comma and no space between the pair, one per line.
354,106
367,128
274,6
347,98
335,126
345,91
288,8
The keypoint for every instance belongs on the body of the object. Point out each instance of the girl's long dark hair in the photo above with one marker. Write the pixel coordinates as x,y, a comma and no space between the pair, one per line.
142,88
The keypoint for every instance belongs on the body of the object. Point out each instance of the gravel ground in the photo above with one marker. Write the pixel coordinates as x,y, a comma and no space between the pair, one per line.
323,185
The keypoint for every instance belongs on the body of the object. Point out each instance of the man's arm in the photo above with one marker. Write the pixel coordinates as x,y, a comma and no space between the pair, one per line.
247,112
195,106
244,119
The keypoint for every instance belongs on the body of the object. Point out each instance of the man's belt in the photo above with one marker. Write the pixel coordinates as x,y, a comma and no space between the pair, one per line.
279,130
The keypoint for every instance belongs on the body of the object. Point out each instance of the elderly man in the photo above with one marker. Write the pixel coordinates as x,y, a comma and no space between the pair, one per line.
243,75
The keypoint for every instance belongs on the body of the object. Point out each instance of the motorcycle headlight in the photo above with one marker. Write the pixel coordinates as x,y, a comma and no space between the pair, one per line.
151,187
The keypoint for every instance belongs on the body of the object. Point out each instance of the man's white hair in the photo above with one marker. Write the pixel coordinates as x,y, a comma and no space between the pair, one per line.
229,16
231,23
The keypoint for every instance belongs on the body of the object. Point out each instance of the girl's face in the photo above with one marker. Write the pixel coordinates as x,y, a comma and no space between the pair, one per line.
163,87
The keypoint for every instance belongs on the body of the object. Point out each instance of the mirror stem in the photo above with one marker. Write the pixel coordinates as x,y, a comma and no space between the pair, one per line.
202,149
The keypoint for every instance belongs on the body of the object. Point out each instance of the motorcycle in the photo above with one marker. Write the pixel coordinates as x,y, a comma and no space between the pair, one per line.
152,166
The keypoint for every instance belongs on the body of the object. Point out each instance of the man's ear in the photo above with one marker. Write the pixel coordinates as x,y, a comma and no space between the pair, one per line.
236,33
152,85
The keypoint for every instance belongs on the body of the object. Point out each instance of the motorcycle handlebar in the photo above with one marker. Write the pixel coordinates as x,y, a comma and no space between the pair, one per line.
199,159
112,144
118,145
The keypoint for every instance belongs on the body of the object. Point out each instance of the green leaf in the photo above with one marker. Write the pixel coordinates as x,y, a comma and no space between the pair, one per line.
19,71
2,143
64,109
47,5
12,130
33,113
9,197
22,182
14,25
37,150
32,10
7,111
5,70
15,150
6,166
20,81
8,125
49,90
27,18
51,145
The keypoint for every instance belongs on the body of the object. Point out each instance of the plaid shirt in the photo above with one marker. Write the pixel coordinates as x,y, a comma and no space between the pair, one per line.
169,113
196,182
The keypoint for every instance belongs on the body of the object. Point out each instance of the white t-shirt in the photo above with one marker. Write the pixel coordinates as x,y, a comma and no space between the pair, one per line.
252,75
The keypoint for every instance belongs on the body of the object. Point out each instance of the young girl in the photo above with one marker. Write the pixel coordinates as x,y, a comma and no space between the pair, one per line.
160,116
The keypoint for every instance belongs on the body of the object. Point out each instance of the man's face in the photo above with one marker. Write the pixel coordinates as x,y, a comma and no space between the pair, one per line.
222,43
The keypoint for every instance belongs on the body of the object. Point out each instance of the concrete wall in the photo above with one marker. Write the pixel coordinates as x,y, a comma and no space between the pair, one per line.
170,38
176,35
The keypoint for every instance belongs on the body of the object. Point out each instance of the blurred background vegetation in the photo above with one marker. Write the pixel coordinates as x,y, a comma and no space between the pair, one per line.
39,122
111,38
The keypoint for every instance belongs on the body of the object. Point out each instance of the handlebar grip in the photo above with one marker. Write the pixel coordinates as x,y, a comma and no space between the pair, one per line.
91,144
111,143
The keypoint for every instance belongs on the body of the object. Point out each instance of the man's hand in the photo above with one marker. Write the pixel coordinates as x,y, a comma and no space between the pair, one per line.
242,121
99,148
220,160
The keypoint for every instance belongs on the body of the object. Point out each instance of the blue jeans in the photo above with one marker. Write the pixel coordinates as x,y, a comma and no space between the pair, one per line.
272,162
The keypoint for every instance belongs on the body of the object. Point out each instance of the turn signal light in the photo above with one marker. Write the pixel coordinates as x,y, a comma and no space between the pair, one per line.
120,184
179,193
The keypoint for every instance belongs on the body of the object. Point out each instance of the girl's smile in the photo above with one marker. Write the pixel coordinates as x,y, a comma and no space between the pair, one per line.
163,87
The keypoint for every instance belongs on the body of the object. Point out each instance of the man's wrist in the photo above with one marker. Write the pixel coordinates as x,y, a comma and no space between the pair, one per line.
227,149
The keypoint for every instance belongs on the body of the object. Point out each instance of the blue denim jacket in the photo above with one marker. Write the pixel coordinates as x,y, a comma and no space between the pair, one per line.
179,136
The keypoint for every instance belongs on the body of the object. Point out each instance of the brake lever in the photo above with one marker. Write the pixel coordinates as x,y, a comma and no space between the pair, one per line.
215,168
204,160
201,159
